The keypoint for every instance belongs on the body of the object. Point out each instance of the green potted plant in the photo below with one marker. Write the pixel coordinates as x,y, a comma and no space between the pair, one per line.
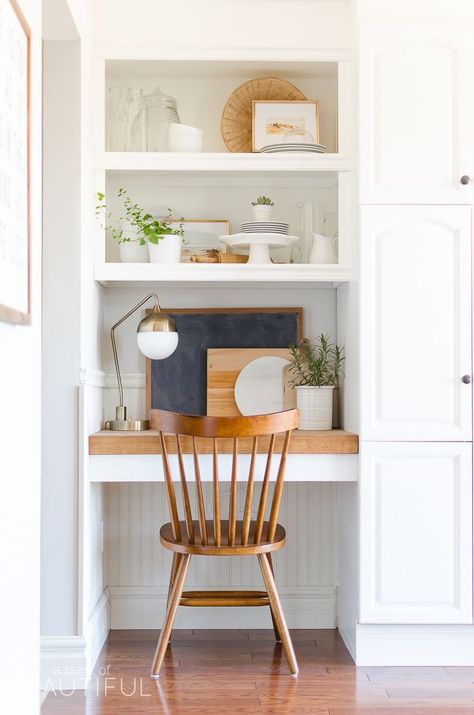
315,368
262,208
155,235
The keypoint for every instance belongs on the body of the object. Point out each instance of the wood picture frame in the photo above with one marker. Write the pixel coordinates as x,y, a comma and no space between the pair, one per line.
198,242
15,228
297,313
306,122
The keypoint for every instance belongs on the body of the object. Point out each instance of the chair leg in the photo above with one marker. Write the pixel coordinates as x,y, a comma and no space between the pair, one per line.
275,626
174,570
174,600
278,612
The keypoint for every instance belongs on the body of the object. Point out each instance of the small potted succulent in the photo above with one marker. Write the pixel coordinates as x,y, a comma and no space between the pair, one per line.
314,372
146,236
262,208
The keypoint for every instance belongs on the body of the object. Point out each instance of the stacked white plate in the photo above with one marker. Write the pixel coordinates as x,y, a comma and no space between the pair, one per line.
277,148
265,227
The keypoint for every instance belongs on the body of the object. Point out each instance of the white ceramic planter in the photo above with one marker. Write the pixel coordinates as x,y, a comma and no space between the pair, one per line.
132,252
315,406
168,250
262,212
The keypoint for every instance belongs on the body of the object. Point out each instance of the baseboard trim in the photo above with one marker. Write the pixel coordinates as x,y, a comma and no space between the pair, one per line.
412,645
96,631
348,641
144,607
67,662
63,663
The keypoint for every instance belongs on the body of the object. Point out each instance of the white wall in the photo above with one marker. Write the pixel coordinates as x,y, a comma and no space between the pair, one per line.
61,351
233,23
319,312
20,451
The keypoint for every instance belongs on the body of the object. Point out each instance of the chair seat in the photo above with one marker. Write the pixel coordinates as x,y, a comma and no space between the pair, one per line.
183,546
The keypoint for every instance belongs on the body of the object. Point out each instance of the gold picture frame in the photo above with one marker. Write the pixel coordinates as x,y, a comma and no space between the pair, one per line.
307,121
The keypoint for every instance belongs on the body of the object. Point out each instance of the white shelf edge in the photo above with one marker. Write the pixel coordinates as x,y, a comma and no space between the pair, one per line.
121,274
217,161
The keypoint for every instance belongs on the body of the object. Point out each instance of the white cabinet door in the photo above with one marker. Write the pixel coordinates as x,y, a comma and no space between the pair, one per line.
415,533
415,277
415,127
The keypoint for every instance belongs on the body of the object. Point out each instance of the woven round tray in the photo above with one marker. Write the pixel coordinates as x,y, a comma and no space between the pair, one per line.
236,123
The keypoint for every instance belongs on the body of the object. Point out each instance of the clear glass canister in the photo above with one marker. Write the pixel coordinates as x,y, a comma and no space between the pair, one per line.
161,111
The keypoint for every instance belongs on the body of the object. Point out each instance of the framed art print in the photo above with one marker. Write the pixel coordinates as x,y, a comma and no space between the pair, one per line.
277,122
14,165
202,235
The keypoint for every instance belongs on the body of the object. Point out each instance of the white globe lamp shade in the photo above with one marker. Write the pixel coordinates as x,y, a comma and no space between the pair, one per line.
157,345
157,336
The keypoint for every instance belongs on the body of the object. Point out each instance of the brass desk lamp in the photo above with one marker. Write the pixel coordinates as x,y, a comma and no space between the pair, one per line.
157,338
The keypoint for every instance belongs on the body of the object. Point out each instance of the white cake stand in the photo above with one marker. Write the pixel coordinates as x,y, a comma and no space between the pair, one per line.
259,243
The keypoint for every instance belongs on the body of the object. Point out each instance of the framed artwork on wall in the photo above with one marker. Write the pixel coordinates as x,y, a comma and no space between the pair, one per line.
283,121
15,304
202,235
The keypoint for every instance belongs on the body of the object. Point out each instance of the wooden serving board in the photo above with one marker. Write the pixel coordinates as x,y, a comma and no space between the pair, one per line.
223,368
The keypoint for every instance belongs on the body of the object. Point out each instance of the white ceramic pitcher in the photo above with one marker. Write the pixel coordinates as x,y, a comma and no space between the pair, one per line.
324,249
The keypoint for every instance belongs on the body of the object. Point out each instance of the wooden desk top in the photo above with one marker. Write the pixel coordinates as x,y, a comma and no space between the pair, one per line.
302,442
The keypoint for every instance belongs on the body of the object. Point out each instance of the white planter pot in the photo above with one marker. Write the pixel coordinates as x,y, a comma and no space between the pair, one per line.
168,250
132,252
262,212
315,406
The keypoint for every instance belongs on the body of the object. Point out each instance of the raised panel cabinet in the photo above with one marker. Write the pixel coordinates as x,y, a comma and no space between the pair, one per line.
415,302
415,126
416,533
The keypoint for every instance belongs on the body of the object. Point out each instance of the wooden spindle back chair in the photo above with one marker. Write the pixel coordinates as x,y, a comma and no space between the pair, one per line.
223,535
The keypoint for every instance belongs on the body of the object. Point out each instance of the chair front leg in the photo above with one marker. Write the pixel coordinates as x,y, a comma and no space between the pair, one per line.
278,612
275,626
174,600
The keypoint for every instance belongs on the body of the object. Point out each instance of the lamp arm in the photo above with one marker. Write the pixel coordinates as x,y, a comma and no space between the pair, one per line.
114,346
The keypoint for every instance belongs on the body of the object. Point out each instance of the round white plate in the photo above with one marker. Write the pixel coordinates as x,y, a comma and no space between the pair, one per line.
259,386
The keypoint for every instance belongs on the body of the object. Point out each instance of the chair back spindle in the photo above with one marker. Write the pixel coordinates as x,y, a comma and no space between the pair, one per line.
211,431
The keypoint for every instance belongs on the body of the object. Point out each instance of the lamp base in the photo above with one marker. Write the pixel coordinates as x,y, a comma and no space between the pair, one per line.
127,425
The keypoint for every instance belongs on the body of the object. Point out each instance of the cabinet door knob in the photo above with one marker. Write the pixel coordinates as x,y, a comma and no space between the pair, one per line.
465,180
466,379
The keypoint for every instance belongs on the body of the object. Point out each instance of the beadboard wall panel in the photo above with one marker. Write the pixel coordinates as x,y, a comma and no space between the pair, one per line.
137,566
135,557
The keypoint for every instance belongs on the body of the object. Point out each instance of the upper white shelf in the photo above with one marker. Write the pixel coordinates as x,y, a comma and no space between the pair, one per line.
150,274
225,161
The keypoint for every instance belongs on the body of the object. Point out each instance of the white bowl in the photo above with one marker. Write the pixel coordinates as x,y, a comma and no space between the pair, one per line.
184,130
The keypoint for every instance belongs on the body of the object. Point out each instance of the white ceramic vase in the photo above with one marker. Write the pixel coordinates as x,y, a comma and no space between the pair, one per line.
262,212
315,406
132,252
167,250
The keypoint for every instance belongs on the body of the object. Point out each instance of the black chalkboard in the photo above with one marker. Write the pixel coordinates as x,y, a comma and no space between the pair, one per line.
179,383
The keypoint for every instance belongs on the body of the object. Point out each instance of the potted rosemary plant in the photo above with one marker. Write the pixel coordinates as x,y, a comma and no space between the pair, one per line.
314,372
140,235
262,208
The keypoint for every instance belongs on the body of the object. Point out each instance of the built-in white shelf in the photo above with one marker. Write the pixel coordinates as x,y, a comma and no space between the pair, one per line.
220,161
128,275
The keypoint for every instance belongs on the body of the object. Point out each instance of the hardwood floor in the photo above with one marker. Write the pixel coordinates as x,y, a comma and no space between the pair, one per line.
234,671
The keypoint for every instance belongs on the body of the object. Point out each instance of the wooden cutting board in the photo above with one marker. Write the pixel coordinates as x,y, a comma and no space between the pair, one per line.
223,368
